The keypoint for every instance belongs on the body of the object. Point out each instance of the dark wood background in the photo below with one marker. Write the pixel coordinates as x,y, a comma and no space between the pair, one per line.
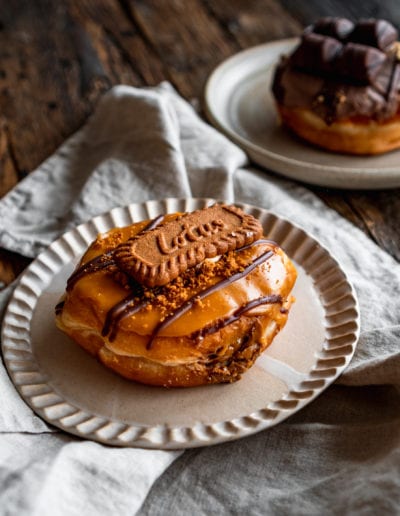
59,57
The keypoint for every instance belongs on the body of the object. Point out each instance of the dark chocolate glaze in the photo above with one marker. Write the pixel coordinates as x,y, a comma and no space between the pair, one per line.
341,70
221,323
187,305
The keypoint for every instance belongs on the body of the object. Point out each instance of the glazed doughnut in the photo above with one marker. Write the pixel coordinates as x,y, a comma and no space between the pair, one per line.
340,88
182,300
350,136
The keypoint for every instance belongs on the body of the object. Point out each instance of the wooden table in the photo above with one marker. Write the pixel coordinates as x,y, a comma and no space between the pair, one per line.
59,57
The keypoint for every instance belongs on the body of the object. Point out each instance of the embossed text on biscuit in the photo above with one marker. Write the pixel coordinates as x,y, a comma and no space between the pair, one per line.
160,255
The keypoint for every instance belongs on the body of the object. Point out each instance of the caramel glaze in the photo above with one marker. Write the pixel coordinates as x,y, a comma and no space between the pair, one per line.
209,290
137,300
95,265
221,323
123,309
104,260
129,306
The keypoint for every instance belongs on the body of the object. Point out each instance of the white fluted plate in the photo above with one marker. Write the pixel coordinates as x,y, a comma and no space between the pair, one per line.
239,102
71,390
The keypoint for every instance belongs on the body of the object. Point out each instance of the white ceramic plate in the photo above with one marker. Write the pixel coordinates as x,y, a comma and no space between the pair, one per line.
71,390
238,101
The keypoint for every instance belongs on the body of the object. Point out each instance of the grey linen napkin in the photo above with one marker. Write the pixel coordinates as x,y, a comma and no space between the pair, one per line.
338,455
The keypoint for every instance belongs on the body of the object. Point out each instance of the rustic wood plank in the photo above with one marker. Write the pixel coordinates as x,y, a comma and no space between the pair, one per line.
337,200
377,213
380,212
187,39
254,22
57,60
131,60
48,77
8,171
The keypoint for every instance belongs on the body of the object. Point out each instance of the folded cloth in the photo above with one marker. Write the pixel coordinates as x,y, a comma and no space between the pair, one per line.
339,454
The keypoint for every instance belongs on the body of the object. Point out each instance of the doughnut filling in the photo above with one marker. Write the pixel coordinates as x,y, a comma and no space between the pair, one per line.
340,88
208,324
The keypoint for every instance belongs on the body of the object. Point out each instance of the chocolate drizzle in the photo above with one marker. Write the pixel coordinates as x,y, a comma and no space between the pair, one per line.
100,262
129,306
104,260
153,223
185,307
59,307
123,309
136,299
97,264
221,323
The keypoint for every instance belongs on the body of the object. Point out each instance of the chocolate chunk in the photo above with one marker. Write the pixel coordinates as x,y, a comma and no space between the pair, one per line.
394,88
382,80
334,27
375,33
156,257
316,53
360,63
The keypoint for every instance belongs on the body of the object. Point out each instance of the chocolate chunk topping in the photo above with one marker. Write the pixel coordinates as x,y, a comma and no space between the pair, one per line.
360,62
338,28
316,52
342,70
158,256
375,33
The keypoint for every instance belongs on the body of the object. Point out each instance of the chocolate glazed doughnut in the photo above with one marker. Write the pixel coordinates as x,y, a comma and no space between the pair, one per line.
340,88
211,297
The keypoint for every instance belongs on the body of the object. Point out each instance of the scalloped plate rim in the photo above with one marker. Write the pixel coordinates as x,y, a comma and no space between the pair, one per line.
260,423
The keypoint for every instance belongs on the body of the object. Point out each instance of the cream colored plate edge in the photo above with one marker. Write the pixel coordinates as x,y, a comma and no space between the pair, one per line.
46,394
238,101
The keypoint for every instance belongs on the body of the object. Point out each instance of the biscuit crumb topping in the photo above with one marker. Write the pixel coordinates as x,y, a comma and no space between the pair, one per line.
169,297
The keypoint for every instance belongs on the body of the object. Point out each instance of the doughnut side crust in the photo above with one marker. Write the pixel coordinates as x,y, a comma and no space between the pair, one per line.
346,136
209,343
242,343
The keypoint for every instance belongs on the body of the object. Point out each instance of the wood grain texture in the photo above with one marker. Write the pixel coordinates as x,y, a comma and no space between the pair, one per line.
254,22
58,58
186,38
8,167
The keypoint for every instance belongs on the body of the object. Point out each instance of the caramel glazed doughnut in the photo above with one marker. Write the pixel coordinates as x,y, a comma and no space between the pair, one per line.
340,88
181,300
